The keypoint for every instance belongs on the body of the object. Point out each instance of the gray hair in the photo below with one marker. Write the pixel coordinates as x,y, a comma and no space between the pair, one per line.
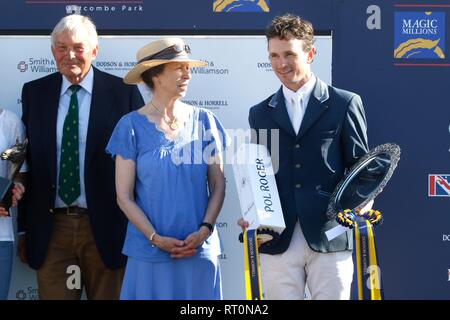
76,24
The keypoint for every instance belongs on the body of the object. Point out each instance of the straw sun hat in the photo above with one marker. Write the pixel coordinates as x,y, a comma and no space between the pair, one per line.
160,52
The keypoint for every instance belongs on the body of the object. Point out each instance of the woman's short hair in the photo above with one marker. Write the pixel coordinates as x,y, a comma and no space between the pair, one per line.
148,74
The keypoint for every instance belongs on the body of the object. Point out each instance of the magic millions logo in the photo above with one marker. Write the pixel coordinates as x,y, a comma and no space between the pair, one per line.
241,5
419,35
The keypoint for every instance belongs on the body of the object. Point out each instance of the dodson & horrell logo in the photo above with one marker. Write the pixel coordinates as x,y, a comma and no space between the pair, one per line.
419,35
241,5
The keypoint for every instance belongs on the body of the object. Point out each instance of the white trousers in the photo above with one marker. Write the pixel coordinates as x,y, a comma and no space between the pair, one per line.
328,275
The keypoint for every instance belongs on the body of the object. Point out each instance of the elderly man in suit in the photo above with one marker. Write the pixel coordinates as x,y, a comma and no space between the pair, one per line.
73,228
322,133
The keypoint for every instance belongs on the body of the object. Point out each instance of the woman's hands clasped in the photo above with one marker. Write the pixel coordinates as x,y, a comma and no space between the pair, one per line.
182,248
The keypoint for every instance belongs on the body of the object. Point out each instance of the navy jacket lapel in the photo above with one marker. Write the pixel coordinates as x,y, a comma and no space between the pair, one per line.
316,106
50,104
279,112
101,105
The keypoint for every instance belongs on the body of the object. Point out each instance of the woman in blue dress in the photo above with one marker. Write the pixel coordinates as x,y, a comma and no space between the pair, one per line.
169,182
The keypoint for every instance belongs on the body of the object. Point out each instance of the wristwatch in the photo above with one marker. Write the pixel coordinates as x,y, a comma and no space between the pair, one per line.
208,225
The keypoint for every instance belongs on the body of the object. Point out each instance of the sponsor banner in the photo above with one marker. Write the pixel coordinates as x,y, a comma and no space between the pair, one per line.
168,16
401,72
419,35
237,77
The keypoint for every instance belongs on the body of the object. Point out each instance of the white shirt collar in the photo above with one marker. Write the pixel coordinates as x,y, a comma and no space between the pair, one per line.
87,83
305,90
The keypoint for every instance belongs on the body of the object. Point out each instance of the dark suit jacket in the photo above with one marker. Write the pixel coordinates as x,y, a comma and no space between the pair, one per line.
331,138
111,99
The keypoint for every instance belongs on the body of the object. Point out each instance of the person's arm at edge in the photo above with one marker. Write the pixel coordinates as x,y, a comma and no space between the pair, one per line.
22,206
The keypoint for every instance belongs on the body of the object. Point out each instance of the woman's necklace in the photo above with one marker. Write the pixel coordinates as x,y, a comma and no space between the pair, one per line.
173,124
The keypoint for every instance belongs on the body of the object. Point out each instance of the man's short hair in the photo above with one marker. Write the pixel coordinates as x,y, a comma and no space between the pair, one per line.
76,24
291,26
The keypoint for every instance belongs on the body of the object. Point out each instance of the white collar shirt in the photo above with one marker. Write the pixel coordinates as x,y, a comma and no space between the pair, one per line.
84,96
296,102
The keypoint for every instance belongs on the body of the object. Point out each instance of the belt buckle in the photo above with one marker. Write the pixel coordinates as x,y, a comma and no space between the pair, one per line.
71,213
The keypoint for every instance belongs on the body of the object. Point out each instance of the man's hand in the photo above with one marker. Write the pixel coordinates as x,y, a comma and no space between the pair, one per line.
4,212
18,192
243,224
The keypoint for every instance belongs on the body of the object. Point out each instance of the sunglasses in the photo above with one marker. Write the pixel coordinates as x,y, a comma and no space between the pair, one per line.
168,53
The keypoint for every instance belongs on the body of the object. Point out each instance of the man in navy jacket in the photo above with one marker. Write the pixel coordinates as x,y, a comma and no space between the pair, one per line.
74,241
322,133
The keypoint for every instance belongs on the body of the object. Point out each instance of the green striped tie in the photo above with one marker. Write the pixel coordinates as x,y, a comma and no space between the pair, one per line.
69,166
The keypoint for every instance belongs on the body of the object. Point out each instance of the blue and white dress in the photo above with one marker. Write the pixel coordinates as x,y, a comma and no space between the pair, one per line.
171,189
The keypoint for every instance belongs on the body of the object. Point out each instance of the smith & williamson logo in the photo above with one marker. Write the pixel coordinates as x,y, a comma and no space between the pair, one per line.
438,185
241,5
29,293
22,66
419,35
37,65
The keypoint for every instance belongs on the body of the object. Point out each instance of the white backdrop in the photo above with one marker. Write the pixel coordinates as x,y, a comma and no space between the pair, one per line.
237,77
